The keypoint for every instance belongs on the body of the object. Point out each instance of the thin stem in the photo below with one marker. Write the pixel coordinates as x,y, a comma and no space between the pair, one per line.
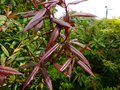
66,10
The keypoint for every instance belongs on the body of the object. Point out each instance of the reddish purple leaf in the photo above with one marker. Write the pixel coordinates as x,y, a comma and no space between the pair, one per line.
28,65
49,4
58,67
83,15
85,48
32,24
76,2
63,36
28,14
40,14
77,53
2,78
49,52
53,38
59,53
66,64
36,19
52,5
38,26
70,71
71,68
8,71
30,78
47,78
80,44
61,22
85,67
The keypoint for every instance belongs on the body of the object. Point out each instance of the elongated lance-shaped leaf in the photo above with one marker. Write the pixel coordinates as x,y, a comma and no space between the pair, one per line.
49,52
85,67
83,15
30,78
66,64
49,2
58,67
70,71
52,5
61,22
53,38
38,15
2,78
71,66
63,36
29,15
47,78
80,44
85,48
38,26
77,53
4,50
36,19
76,2
28,65
58,54
31,25
8,71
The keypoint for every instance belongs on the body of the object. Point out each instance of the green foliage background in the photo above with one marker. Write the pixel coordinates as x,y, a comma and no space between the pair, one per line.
17,49
104,36
16,5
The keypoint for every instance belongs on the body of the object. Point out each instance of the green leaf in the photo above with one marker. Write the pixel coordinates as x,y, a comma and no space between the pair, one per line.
3,59
5,50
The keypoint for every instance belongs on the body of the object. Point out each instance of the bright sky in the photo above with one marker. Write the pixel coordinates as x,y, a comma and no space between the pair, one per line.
96,7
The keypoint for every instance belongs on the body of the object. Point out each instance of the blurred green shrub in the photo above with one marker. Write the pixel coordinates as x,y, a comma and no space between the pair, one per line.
104,37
